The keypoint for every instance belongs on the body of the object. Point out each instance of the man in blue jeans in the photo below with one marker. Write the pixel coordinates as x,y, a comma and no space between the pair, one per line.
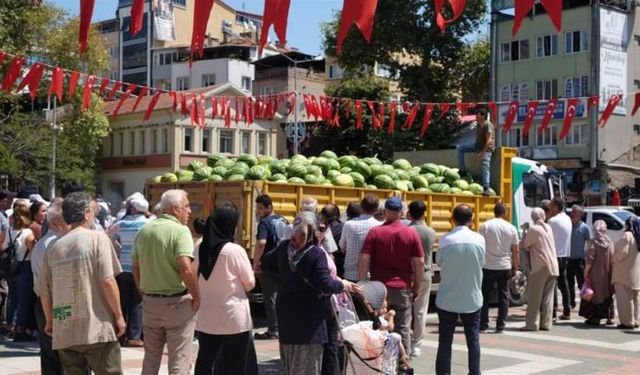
461,258
484,146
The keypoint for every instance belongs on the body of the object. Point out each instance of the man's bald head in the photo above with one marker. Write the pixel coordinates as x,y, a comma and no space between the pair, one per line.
462,215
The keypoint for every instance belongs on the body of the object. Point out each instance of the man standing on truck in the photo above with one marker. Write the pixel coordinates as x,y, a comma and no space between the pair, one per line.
484,146
561,226
354,232
501,261
580,238
271,231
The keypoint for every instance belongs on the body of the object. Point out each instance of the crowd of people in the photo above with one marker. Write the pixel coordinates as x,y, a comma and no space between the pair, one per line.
85,283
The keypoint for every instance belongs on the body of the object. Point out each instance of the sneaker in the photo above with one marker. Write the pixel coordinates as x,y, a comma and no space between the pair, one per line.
499,329
565,317
484,329
265,336
135,344
486,192
416,351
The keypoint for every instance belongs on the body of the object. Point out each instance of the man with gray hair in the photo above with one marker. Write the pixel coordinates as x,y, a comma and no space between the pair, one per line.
80,299
161,258
310,204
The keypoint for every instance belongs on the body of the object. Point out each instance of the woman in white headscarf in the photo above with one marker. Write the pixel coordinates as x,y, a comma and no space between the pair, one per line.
626,275
538,241
598,271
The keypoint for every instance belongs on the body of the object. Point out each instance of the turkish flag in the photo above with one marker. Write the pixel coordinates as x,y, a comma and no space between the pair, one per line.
608,111
347,108
184,108
511,115
103,86
548,114
444,108
250,110
392,117
203,109
201,13
457,8
237,111
493,111
411,117
86,94
142,94
131,88
12,73
568,117
32,79
360,12
523,7
194,117
137,11
114,90
57,82
73,84
174,99
152,105
359,114
276,13
86,12
214,108
531,112
636,104
227,112
426,119
381,108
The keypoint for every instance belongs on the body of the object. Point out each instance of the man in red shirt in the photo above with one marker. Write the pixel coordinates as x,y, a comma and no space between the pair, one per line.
392,252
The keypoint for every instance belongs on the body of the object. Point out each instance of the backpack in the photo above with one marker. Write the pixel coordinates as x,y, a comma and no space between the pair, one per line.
9,258
279,231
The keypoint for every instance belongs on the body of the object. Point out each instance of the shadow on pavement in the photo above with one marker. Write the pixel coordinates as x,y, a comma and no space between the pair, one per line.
270,367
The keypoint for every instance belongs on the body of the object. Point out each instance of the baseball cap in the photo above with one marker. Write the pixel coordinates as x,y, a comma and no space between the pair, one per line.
393,204
6,194
139,204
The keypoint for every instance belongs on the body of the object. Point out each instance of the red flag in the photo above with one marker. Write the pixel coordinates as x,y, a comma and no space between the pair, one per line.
184,108
227,112
374,117
86,94
292,103
131,88
276,13
360,12
511,115
12,73
214,108
103,86
32,79
137,12
152,105
86,12
201,14
57,82
608,111
457,8
347,108
411,117
568,118
244,110
593,101
336,114
392,117
523,7
381,108
203,108
142,94
636,104
176,99
2,55
73,84
250,113
548,114
193,111
493,110
114,90
237,111
426,119
359,114
531,113
444,108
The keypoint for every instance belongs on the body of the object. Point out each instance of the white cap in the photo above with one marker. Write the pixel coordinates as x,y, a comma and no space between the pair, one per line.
139,204
37,198
136,195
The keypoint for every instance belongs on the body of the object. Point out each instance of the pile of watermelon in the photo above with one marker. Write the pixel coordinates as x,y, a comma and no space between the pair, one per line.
329,170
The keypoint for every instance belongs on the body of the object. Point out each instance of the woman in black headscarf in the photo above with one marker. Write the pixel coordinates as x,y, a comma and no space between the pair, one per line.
224,319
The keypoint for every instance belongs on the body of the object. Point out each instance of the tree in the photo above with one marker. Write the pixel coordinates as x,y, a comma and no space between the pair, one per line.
473,71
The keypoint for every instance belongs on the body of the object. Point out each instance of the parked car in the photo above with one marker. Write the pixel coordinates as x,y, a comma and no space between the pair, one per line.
613,216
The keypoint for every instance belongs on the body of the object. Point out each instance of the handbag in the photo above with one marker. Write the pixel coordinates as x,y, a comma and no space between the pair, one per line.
586,293
9,258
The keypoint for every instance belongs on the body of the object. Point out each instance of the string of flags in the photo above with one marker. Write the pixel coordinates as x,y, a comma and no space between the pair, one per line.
247,109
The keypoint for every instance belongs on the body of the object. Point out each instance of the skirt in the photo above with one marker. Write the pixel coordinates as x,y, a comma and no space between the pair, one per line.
596,311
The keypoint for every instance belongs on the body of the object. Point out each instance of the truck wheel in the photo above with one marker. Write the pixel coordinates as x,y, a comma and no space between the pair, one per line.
518,288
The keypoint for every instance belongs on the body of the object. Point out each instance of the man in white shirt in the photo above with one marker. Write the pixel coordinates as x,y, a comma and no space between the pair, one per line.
561,226
355,231
502,258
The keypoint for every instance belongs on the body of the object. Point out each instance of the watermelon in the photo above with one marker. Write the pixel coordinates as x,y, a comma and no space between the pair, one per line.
377,170
373,187
235,177
344,180
402,174
439,179
184,173
185,178
296,170
414,171
372,161
248,159
202,174
363,168
343,170
195,165
333,174
332,164
157,179
256,172
455,190
169,177
215,177
279,166
296,180
239,168
402,164
310,159
423,190
313,179
278,177
383,182
314,169
430,168
466,192
329,154
265,160
461,184
420,182
347,161
299,158
492,193
440,187
221,171
214,158
476,188
451,175
225,163
388,167
403,185
430,177
326,183
358,179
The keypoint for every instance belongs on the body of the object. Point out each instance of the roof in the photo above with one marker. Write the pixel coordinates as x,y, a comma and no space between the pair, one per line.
250,15
281,60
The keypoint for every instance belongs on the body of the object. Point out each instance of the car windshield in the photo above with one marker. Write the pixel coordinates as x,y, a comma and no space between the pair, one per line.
623,215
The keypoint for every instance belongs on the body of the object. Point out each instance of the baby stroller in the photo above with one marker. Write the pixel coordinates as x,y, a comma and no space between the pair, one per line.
368,349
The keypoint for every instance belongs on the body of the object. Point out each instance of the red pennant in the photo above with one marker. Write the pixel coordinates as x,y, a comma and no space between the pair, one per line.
137,12
292,103
86,12
237,111
114,90
227,112
511,115
381,108
374,117
142,94
174,100
103,86
593,101
608,111
548,114
636,104
57,82
347,108
315,108
12,73
426,119
392,117
201,14
131,88
250,114
32,79
493,111
193,111
457,8
214,108
184,108
523,7
276,13
531,113
359,114
2,55
411,117
203,107
360,12
73,84
444,108
336,114
244,110
152,105
86,93
568,118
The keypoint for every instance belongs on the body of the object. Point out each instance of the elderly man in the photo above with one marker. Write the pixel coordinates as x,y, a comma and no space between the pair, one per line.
354,232
560,224
580,238
393,253
130,297
162,256
79,293
49,358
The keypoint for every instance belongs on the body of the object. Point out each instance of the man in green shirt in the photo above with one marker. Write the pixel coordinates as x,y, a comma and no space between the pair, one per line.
484,146
161,256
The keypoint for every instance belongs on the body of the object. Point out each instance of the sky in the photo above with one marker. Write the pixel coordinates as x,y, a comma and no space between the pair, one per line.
303,31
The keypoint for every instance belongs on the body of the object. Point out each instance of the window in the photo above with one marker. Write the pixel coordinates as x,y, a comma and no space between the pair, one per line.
246,143
182,83
165,140
575,87
208,80
132,143
268,90
516,91
182,3
226,142
143,142
383,71
134,56
515,50
548,137
262,144
575,41
517,138
206,135
121,143
188,140
547,46
334,71
535,189
612,224
546,90
577,135
154,141
246,83
112,146
167,58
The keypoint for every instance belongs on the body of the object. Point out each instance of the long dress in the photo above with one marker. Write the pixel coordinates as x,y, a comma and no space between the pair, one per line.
599,257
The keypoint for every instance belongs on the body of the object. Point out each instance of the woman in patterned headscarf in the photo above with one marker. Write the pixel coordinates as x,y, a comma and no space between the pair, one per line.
598,272
626,275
